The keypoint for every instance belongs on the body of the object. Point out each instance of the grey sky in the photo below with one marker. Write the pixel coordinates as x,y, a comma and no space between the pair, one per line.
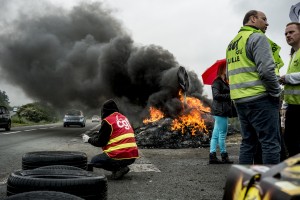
195,32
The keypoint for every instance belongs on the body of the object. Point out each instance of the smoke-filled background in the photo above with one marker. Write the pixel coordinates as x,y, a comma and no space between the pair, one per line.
84,56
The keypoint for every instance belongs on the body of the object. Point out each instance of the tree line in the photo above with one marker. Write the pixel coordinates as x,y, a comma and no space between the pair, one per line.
33,112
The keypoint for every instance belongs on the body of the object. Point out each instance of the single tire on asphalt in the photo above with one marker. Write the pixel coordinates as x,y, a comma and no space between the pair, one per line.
32,160
84,184
43,195
8,126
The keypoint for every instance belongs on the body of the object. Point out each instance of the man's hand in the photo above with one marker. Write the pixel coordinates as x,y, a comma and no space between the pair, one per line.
85,138
282,80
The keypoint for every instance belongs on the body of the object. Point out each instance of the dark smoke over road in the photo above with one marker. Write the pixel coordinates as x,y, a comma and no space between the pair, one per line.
83,56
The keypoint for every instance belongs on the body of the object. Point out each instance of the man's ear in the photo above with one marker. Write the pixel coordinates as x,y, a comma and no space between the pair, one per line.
253,19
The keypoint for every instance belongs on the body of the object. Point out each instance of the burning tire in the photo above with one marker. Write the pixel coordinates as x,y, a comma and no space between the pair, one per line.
81,183
45,195
33,160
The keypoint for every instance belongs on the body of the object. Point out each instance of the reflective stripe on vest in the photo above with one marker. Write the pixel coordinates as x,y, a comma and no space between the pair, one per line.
292,92
277,59
242,72
122,144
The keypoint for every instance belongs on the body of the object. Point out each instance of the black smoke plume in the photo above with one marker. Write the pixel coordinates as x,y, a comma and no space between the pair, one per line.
84,56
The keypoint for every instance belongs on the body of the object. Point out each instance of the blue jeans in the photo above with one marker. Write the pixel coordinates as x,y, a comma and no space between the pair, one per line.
219,134
260,123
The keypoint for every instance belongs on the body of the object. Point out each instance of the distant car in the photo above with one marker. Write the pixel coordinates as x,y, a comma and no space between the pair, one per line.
15,109
5,120
74,117
96,118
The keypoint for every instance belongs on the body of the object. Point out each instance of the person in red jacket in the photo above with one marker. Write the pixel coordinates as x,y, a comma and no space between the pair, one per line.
116,137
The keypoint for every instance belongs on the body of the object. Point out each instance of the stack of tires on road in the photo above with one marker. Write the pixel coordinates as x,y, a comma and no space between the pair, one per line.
56,175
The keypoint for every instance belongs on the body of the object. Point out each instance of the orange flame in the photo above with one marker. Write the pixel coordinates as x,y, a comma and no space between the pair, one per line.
190,118
155,115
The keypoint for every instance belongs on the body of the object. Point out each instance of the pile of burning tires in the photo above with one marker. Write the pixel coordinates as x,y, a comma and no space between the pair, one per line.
55,175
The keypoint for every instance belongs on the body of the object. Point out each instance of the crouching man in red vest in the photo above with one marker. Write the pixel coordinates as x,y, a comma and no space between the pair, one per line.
116,137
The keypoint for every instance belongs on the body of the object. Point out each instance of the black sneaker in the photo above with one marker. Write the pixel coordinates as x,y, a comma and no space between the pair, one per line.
119,174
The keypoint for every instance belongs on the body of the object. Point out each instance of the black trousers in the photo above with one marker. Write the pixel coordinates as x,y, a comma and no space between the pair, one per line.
105,162
292,133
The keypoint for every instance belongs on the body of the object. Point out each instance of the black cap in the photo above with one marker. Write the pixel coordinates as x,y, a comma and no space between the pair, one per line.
108,108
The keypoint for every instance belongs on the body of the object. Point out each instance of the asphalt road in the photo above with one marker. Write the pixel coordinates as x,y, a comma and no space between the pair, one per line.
159,174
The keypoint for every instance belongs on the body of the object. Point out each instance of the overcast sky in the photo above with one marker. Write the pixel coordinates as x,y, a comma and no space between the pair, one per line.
196,32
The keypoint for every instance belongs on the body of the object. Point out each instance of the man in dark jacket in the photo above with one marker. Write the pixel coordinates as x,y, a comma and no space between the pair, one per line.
116,137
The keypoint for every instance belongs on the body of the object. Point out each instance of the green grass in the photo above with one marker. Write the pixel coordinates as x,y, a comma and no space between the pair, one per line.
16,122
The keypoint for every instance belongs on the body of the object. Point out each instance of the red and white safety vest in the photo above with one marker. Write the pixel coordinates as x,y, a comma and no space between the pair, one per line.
121,144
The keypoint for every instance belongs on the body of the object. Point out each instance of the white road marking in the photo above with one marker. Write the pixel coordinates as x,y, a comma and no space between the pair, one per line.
13,132
30,130
143,168
142,164
8,133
